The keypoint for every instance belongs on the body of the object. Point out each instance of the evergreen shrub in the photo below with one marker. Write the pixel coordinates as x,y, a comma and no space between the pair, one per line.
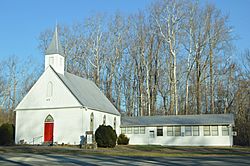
7,134
123,139
105,136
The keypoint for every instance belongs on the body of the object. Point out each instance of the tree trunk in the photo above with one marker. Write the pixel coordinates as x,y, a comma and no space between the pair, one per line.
198,90
211,79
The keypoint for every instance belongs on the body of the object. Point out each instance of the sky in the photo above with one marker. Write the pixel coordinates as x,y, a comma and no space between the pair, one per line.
23,20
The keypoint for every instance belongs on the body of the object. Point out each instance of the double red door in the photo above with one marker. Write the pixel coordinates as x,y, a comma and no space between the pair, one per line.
48,132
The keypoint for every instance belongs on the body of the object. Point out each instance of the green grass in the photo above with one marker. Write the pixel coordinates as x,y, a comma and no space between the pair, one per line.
131,150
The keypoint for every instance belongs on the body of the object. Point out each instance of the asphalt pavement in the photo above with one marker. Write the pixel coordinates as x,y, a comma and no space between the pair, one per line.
60,159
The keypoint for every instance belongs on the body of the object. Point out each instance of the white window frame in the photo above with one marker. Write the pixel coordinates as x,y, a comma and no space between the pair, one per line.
136,130
196,130
170,130
215,130
225,130
129,130
177,131
206,131
123,130
188,130
142,130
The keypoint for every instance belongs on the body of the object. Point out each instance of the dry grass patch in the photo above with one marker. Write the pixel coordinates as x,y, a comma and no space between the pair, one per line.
131,150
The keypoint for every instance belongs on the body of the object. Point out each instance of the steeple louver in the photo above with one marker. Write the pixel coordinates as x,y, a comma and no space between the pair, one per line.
55,46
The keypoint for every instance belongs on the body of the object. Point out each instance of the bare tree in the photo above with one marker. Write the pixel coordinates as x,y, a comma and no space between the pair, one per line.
169,22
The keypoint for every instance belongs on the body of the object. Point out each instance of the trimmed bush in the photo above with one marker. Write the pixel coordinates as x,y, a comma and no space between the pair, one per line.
105,137
7,132
122,139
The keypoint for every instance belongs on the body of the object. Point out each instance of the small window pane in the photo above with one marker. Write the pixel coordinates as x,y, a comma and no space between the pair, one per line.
136,130
170,131
142,130
225,130
188,131
177,130
215,131
129,130
196,131
159,131
123,130
206,130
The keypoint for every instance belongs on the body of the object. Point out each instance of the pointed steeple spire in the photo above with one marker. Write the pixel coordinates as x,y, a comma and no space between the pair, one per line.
55,46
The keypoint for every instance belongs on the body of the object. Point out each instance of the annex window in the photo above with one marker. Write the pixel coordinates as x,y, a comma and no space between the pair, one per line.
225,130
142,130
136,130
188,130
49,89
215,131
114,123
206,130
104,120
129,130
123,130
177,130
159,131
196,131
91,121
170,131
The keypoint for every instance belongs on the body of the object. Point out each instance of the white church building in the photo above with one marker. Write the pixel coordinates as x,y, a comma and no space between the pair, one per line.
62,107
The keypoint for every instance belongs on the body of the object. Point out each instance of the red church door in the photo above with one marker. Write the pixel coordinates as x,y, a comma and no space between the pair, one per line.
48,129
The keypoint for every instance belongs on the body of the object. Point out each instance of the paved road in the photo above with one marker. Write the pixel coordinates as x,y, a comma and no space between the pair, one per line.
56,159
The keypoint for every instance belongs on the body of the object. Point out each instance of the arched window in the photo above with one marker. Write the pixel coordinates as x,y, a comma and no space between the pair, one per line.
104,120
114,123
49,118
49,89
91,121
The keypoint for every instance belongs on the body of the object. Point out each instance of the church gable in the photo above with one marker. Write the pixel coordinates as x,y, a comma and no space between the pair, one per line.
48,92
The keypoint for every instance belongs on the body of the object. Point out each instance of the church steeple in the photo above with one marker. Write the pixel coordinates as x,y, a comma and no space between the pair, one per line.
55,46
54,55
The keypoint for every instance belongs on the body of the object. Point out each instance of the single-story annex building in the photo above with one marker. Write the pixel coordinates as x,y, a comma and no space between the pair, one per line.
181,130
62,108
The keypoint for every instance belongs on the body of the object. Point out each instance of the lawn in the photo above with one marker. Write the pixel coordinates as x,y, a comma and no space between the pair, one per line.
131,150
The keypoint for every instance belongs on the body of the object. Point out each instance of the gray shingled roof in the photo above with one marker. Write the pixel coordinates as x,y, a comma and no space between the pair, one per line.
205,119
55,46
87,93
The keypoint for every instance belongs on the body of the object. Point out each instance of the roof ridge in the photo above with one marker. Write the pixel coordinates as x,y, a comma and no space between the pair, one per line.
177,115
